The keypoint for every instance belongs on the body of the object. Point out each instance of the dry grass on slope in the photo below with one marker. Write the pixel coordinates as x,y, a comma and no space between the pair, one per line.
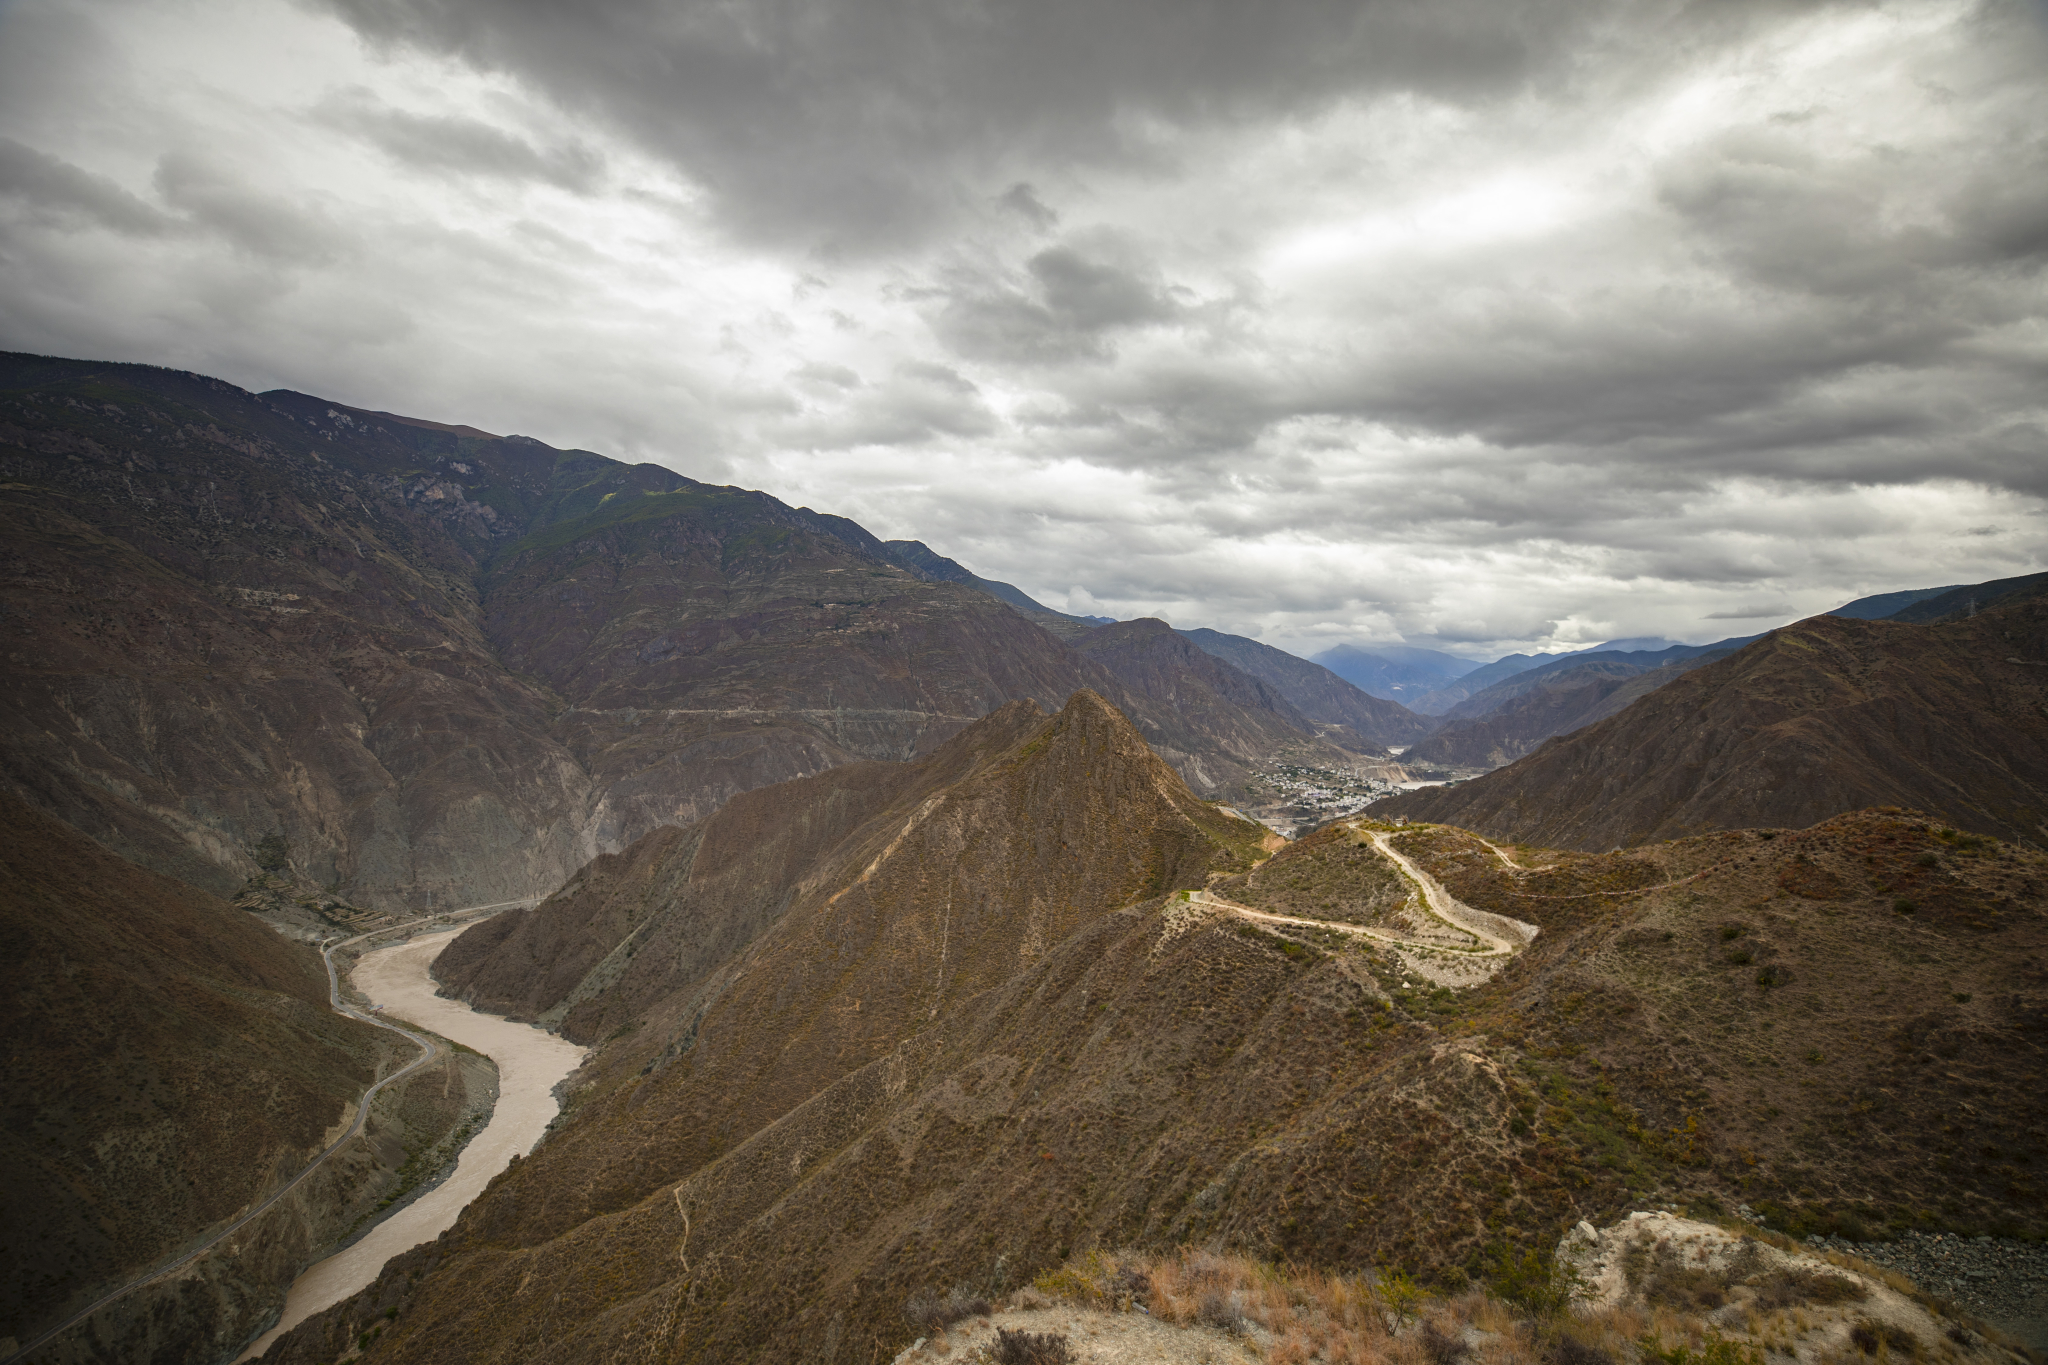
1845,1026
1328,875
1199,1307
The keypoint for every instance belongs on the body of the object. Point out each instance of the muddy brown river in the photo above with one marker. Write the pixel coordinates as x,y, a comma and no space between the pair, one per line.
530,1064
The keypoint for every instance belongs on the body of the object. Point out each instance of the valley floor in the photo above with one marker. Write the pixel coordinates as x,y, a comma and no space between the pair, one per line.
531,1062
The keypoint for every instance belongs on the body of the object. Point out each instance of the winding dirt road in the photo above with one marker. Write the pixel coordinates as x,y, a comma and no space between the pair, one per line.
1498,937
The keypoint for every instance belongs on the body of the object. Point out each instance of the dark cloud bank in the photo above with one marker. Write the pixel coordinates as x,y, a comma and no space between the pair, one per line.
1465,322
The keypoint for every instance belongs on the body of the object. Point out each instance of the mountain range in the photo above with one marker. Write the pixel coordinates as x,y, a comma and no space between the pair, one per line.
1830,714
913,939
450,668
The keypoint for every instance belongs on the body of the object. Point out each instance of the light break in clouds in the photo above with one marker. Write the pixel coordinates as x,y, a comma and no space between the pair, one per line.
1483,326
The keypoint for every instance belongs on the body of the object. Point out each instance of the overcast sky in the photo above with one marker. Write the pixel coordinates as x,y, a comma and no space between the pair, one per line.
1478,325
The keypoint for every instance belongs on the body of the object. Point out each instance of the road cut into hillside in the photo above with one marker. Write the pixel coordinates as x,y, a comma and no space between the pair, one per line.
1493,939
531,1062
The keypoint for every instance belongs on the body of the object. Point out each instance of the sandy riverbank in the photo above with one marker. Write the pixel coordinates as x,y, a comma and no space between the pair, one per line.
530,1064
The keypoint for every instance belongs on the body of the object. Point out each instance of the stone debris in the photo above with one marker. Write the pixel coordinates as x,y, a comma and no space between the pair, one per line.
1807,1305
2000,1279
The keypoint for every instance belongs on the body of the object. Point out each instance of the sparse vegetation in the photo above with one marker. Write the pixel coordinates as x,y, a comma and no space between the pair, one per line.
1529,1310
273,852
1032,1348
933,1311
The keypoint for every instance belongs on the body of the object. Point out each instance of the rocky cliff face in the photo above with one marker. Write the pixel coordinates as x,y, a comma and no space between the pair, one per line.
448,668
1821,717
170,1061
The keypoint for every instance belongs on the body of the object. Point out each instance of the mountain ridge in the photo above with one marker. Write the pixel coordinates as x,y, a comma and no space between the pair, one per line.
1827,715
446,667
1319,694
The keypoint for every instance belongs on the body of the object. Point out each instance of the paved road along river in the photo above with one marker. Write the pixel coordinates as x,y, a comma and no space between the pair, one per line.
530,1062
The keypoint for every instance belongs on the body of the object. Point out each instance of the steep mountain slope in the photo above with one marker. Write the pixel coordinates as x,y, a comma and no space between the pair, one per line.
1512,717
444,667
1314,690
922,559
1694,1022
651,922
1191,697
169,1061
894,892
234,632
1971,598
1827,715
709,641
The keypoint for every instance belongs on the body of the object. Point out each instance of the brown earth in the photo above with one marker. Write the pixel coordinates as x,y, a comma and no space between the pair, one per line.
1328,875
851,1125
448,668
1501,724
1195,704
170,1061
1825,716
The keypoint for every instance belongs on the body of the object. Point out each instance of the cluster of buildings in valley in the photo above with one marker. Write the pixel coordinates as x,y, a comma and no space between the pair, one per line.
1288,797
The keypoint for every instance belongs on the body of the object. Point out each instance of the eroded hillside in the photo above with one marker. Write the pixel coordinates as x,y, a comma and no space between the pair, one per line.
1791,1020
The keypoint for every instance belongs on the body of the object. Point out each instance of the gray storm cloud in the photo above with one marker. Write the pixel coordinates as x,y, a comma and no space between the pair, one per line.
1491,326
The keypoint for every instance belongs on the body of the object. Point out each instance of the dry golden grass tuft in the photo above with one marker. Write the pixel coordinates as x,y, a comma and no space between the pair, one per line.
1304,1315
1301,1314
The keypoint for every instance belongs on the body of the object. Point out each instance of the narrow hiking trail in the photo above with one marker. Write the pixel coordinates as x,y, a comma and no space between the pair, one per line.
1502,854
1495,938
428,1051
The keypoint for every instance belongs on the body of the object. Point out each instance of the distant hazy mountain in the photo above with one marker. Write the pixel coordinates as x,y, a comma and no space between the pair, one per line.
1885,603
1315,691
1633,644
1515,716
1485,690
1945,603
1442,699
1608,662
1400,673
1827,715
